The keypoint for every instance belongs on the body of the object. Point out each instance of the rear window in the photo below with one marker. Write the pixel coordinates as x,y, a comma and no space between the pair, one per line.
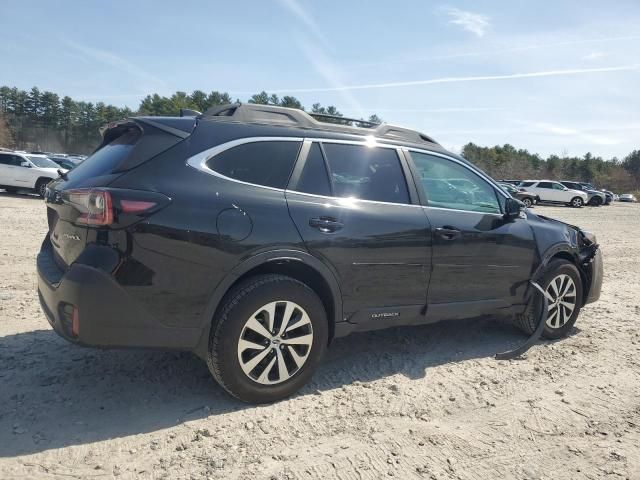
261,163
105,160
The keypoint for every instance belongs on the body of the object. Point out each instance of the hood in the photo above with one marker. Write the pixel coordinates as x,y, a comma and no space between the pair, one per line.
579,192
53,171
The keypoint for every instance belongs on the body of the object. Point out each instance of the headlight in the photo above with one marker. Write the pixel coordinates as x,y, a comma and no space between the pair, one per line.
590,236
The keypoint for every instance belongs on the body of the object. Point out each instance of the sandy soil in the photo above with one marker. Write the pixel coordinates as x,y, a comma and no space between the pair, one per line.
423,402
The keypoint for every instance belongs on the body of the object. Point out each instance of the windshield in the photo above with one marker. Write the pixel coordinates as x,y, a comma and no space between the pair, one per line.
42,162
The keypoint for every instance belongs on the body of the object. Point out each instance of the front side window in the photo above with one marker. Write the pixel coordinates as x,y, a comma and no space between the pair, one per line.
448,184
367,173
558,186
261,163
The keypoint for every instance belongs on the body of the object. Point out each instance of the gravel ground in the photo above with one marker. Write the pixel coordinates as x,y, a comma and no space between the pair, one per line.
421,402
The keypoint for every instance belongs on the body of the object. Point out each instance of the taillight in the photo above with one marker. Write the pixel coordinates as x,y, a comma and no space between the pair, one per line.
113,206
95,206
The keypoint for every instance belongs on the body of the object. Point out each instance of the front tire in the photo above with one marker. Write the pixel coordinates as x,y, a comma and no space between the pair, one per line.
41,186
268,339
563,285
596,201
577,202
528,202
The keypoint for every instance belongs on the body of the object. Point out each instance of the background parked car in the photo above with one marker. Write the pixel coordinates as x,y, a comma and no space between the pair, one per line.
525,197
627,197
27,171
554,192
595,197
64,162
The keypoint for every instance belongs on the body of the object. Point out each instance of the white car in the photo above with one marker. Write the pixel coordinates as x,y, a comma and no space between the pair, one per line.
26,171
550,191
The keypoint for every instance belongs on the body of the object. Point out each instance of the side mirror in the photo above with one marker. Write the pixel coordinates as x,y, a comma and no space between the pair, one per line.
25,164
512,208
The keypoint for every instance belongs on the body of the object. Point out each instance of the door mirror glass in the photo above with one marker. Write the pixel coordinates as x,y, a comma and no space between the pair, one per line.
512,207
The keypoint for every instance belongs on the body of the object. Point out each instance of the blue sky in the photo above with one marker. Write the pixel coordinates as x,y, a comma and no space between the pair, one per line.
550,76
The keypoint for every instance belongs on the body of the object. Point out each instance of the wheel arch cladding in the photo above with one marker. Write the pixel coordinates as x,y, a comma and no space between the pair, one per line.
295,264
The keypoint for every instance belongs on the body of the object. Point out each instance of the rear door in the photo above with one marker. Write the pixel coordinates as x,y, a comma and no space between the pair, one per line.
6,174
481,262
355,211
10,170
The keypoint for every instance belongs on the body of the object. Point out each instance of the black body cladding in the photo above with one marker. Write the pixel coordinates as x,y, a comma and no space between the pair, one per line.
364,236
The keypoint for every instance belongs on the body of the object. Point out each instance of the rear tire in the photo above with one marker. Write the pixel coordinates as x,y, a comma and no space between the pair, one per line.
254,354
577,202
560,320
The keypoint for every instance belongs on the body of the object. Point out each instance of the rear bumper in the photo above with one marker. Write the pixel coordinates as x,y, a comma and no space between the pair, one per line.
597,271
108,317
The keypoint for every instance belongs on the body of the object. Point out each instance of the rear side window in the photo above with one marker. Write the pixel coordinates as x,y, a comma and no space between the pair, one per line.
368,173
105,160
261,163
545,185
314,178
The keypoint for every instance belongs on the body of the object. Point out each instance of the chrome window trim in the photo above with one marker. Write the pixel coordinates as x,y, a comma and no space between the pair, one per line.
337,199
199,160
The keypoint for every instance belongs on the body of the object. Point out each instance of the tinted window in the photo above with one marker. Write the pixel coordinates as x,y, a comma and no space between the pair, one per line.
448,184
367,173
314,178
545,185
105,160
557,186
261,163
6,159
526,184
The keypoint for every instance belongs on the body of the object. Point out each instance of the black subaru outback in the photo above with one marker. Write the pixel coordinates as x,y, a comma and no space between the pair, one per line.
254,235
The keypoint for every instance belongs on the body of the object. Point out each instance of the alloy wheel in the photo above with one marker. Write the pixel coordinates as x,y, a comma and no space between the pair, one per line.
561,295
275,342
577,202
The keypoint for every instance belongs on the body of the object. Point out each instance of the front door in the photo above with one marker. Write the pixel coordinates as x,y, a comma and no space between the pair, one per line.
481,262
353,208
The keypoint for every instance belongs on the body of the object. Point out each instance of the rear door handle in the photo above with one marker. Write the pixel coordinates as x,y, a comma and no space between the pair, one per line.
326,224
448,233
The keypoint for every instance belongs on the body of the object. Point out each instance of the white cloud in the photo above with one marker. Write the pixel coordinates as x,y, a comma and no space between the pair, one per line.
584,136
112,60
475,23
442,80
593,56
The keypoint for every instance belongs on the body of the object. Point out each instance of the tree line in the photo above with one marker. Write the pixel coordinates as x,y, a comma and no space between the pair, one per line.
42,120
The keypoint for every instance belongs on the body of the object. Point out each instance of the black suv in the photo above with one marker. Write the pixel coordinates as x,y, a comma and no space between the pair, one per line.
254,235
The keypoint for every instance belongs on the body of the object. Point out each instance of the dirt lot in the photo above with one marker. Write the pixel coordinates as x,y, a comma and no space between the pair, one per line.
422,402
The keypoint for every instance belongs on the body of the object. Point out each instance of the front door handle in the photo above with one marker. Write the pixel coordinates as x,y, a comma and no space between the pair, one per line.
326,224
448,233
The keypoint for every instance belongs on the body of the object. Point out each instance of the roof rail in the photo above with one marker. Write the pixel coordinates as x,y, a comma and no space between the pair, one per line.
344,120
272,114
